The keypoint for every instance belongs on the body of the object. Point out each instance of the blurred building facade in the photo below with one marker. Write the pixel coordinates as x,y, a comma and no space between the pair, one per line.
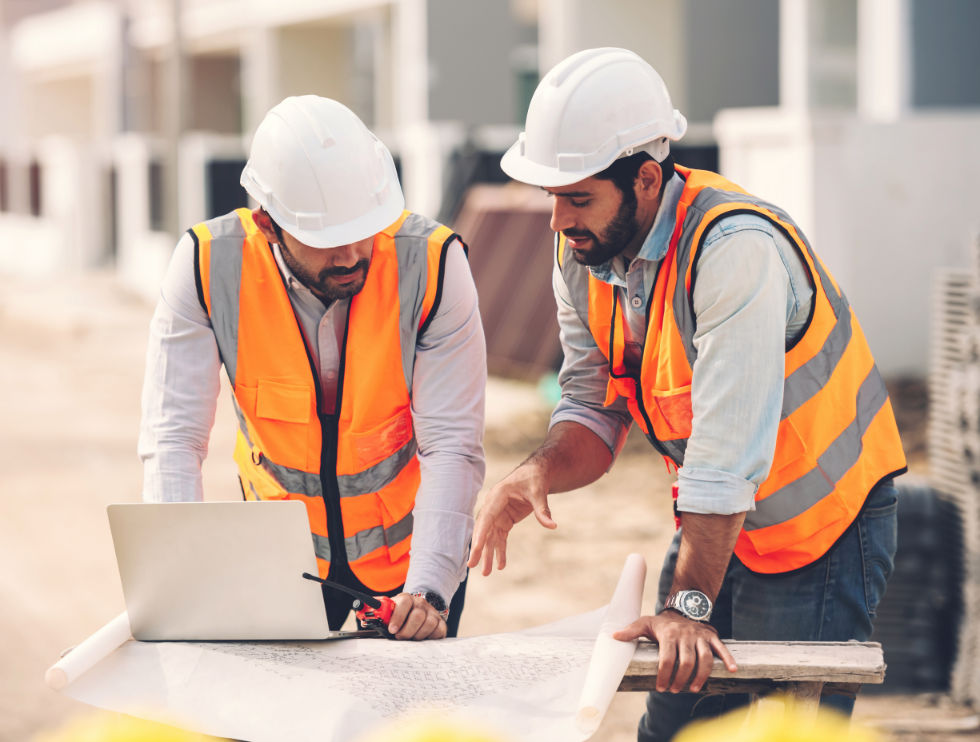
127,121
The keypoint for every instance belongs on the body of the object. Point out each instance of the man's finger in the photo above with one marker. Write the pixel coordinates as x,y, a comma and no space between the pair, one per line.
403,604
488,559
634,631
413,621
686,666
723,654
705,660
665,664
477,544
501,549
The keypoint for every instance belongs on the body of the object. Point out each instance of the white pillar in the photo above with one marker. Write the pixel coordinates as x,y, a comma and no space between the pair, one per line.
794,54
260,76
884,59
411,62
417,140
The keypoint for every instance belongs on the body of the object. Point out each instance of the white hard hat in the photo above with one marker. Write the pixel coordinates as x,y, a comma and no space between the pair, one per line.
590,109
321,174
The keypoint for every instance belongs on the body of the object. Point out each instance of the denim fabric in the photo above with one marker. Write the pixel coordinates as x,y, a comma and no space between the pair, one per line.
834,599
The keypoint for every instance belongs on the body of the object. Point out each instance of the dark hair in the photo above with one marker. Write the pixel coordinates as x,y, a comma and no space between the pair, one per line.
624,170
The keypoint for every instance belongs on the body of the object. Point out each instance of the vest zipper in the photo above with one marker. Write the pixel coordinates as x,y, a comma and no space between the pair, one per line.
329,425
651,436
329,433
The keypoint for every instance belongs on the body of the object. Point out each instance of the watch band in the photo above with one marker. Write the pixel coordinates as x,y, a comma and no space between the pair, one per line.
435,600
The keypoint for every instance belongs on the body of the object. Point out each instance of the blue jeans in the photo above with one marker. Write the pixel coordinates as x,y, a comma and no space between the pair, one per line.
834,599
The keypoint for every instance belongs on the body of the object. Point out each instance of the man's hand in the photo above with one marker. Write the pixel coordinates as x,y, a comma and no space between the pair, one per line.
523,491
687,649
413,618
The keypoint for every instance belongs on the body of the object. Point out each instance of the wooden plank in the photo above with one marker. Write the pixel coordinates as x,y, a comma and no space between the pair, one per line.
773,663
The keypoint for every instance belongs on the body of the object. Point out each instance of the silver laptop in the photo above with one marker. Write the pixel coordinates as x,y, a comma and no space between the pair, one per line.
217,570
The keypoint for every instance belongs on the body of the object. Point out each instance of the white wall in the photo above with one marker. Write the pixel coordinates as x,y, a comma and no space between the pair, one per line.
654,29
884,205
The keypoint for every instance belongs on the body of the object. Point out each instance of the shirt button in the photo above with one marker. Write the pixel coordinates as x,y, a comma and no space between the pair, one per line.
636,301
331,374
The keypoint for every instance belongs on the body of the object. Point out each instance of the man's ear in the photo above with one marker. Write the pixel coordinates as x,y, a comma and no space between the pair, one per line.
264,222
648,180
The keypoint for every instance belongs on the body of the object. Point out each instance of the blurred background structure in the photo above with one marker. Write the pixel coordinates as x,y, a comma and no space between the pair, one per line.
127,121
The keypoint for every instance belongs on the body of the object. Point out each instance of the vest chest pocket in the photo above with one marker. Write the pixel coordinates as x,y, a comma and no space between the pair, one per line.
673,408
276,400
375,445
282,413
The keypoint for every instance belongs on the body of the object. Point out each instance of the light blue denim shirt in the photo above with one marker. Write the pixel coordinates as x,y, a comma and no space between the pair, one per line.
752,296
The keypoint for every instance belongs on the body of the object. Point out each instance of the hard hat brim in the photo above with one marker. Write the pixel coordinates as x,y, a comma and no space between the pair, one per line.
525,170
350,232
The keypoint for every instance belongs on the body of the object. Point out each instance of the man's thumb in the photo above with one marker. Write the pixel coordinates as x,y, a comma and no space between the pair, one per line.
543,513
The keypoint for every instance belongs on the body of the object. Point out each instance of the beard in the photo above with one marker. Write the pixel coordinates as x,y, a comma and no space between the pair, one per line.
323,284
615,236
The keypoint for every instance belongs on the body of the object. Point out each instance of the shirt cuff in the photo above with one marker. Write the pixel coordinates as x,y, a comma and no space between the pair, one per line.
713,492
440,547
611,430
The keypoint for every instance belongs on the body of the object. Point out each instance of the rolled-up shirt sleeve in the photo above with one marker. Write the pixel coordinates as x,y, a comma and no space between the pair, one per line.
448,399
740,300
584,376
180,387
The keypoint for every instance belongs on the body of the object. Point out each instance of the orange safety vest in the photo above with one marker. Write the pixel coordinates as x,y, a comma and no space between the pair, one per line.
837,435
357,471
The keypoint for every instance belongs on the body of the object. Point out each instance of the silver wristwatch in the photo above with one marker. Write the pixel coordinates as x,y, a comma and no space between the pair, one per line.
692,604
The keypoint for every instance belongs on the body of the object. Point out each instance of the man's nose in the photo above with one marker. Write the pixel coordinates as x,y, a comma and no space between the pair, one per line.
561,218
345,256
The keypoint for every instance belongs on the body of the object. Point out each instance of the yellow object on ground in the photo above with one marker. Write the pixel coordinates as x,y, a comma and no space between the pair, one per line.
430,727
106,727
778,719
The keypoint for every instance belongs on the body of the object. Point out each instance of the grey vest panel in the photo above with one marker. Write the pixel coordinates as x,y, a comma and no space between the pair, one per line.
227,236
411,245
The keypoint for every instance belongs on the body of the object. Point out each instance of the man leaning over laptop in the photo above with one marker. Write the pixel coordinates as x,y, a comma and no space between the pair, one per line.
350,333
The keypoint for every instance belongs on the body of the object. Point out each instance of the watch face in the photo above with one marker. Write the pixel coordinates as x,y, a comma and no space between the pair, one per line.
695,604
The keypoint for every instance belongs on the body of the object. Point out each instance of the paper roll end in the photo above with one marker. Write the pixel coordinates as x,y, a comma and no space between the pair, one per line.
56,678
587,719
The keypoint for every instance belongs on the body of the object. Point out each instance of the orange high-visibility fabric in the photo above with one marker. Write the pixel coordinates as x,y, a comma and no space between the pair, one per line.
660,399
276,392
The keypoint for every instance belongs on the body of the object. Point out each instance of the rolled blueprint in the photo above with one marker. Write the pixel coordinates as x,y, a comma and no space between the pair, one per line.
610,657
89,653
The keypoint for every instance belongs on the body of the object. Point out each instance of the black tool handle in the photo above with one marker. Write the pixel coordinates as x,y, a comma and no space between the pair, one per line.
364,597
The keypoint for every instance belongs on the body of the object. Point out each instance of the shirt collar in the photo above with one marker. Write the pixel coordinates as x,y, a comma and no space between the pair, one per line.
657,241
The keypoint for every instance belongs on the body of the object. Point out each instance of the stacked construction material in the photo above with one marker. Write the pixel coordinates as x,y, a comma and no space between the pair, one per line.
954,449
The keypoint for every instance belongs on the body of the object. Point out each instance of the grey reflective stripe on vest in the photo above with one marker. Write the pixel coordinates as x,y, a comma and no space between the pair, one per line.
364,542
412,248
227,236
576,278
378,476
800,495
291,480
812,376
